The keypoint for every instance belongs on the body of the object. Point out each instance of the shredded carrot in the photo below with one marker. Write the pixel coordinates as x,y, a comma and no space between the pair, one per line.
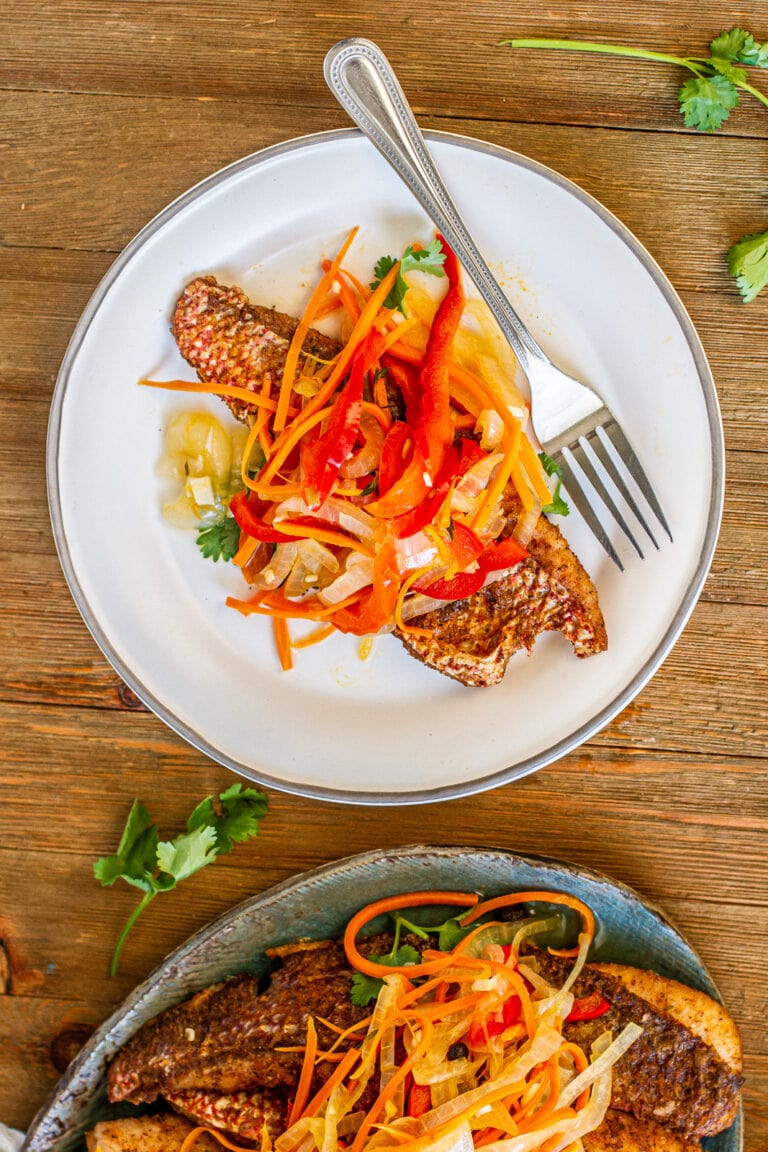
342,1070
314,637
587,916
392,904
192,1137
300,334
307,1070
283,642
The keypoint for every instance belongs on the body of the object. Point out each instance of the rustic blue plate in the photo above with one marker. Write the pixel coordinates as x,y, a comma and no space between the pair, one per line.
318,904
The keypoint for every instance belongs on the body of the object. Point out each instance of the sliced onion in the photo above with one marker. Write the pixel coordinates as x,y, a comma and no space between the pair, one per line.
491,428
414,551
358,572
276,571
368,457
333,511
474,482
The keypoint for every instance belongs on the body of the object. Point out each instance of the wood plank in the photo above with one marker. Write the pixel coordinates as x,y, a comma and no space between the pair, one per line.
167,48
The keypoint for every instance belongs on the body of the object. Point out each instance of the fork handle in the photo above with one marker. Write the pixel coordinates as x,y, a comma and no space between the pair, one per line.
362,80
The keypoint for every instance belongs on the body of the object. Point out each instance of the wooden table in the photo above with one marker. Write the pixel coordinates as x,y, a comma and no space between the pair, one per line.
111,109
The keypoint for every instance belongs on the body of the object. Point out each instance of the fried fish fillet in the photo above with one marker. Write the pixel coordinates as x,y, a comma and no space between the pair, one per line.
473,640
684,1071
230,341
163,1133
622,1132
225,1039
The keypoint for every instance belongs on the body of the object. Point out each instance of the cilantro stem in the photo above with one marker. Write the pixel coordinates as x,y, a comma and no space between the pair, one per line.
605,49
753,91
145,900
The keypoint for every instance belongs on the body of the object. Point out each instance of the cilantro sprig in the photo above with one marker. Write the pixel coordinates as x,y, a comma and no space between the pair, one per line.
154,866
429,259
366,988
557,506
706,100
219,541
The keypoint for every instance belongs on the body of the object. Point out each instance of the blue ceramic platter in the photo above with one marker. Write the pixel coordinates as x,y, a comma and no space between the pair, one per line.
318,904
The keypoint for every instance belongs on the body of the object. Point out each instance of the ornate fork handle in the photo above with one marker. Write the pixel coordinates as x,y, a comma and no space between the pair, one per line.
362,80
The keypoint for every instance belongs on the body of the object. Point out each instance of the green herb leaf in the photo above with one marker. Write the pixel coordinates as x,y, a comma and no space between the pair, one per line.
450,934
366,988
558,506
234,815
748,262
214,826
219,541
706,102
136,856
429,259
737,44
731,72
186,855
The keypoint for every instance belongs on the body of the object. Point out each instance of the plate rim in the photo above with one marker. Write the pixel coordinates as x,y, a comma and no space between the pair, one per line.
305,880
493,779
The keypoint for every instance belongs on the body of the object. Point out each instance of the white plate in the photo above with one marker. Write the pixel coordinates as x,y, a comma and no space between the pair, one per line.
386,730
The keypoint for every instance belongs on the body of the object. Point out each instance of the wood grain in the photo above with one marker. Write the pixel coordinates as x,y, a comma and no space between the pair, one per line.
111,108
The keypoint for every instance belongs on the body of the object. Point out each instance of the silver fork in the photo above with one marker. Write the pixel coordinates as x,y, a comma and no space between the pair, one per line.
571,422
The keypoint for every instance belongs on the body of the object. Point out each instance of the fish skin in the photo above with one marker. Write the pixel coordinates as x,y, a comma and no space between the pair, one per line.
671,1075
243,1114
229,341
473,640
224,1039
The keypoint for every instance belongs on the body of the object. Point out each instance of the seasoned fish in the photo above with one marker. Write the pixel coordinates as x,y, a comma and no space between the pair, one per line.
228,340
684,1071
146,1134
226,1038
243,1114
472,640
622,1132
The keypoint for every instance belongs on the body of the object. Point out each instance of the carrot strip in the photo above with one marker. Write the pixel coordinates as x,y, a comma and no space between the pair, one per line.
283,642
314,637
235,393
358,334
192,1137
320,1097
392,904
324,535
300,334
307,1070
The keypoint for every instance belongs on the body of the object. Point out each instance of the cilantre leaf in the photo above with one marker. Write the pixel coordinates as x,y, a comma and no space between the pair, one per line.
145,862
366,988
558,506
219,541
706,102
748,262
429,259
736,44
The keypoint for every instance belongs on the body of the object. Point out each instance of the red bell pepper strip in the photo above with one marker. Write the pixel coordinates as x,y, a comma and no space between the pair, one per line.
480,1031
395,455
252,524
433,430
322,458
419,1099
505,554
589,1007
424,513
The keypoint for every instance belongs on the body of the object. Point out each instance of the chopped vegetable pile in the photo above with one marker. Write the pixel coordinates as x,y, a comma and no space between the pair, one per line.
464,1047
376,485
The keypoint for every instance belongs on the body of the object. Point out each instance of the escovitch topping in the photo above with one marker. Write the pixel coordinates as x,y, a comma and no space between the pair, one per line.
377,474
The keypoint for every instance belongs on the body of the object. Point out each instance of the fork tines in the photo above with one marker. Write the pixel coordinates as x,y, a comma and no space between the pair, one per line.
591,453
